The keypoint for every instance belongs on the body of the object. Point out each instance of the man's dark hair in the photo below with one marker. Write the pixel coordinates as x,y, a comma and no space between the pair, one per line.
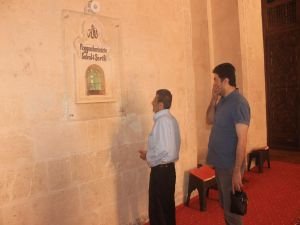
226,70
164,96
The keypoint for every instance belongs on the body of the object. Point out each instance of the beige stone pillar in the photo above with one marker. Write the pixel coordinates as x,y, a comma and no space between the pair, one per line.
229,31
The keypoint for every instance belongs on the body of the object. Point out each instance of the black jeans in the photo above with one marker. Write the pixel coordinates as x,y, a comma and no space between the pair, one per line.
161,195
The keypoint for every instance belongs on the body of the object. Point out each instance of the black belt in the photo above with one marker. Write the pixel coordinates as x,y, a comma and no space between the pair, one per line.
163,165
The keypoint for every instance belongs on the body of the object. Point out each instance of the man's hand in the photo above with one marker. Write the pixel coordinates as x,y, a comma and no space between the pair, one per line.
216,90
236,180
143,154
210,112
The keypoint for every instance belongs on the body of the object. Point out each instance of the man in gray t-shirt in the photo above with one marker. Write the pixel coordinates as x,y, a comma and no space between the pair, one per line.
229,112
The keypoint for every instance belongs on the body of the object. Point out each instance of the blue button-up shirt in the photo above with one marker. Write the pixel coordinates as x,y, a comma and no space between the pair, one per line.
164,139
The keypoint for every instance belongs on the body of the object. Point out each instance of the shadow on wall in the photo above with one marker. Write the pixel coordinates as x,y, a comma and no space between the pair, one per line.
131,173
185,185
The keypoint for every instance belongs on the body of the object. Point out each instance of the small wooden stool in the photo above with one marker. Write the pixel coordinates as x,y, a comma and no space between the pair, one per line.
260,155
202,179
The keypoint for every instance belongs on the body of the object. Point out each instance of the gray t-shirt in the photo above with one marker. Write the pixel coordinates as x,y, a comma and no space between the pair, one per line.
230,110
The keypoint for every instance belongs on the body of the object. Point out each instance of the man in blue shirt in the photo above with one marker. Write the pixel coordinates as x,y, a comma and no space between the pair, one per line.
229,113
163,151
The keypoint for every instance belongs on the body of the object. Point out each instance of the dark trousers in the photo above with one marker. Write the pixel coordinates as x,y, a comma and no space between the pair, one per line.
161,195
224,180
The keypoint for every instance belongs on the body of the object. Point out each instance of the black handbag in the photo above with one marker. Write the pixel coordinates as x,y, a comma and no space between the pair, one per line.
239,202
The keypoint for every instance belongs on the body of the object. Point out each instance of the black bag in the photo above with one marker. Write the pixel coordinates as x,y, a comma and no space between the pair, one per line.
239,202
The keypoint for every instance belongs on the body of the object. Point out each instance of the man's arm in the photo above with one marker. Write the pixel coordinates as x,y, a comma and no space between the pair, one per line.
210,112
242,131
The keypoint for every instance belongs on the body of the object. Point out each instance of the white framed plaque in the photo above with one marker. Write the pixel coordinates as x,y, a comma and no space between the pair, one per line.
92,53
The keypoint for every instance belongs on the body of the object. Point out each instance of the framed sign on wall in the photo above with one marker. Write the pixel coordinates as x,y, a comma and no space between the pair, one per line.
93,52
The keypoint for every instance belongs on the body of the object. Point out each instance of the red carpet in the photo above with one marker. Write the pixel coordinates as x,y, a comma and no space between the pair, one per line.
274,199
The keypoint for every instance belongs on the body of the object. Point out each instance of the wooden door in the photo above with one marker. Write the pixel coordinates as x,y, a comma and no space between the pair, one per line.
281,24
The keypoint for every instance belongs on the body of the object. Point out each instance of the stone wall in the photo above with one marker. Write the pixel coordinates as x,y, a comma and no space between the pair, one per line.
85,170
